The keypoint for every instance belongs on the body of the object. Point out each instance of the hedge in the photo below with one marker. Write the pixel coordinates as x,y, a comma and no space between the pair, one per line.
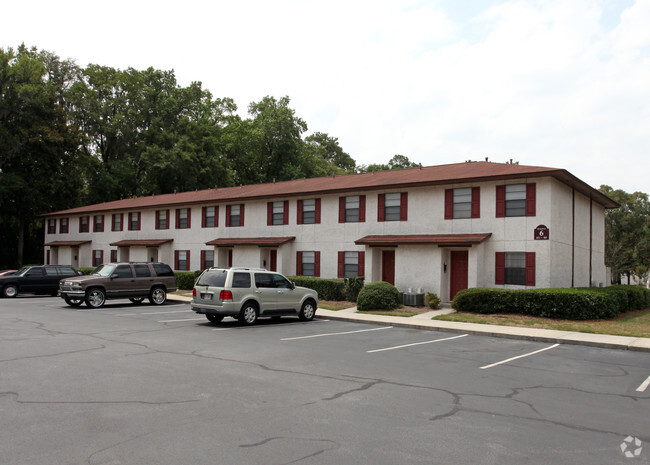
378,296
571,304
328,289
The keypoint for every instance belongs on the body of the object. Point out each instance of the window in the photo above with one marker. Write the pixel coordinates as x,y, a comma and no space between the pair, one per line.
51,226
117,222
162,219
183,218
308,211
162,269
98,257
113,256
352,209
308,264
234,215
63,226
351,264
392,207
123,271
277,213
210,217
516,200
463,202
83,224
515,268
241,280
142,271
134,221
207,259
182,259
98,223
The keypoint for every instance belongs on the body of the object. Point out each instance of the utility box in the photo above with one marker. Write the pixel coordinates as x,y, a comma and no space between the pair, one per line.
413,300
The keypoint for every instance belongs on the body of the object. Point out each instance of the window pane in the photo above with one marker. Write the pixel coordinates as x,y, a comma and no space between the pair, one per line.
142,271
516,200
309,211
208,258
210,217
352,209
463,202
392,207
278,212
235,215
351,264
515,268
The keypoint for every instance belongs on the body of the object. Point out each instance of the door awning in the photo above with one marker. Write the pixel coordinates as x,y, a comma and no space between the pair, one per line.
66,243
141,242
258,241
441,240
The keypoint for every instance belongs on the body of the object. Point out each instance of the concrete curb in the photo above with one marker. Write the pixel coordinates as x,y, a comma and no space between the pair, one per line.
641,344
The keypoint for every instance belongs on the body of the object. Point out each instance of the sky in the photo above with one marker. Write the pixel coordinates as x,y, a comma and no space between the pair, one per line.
563,84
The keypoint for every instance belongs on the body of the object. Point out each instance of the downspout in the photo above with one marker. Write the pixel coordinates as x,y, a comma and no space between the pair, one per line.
573,238
591,238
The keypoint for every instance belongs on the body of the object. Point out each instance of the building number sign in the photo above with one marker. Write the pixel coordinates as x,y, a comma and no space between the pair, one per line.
541,233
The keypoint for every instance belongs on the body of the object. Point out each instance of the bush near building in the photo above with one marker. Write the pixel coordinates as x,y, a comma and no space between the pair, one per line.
378,296
571,304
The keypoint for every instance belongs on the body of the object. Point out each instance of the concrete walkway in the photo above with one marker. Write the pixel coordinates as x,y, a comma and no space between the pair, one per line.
424,321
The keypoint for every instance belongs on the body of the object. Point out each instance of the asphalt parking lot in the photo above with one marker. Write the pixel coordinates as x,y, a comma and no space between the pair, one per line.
130,384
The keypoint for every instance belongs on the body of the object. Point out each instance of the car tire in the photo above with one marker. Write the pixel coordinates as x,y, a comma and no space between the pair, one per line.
248,314
95,298
73,302
158,296
214,318
10,290
136,300
307,311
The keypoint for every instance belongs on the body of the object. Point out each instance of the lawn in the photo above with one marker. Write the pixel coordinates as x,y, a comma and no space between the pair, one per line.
633,324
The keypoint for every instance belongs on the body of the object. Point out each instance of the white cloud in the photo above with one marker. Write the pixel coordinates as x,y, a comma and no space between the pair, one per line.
549,83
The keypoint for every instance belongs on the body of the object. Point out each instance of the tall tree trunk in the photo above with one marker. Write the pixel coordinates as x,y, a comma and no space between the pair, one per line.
21,241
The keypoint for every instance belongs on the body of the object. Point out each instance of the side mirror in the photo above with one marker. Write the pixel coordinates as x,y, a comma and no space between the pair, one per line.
293,285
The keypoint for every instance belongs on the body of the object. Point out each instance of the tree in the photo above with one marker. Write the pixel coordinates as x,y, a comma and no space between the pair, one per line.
398,162
627,234
327,148
40,166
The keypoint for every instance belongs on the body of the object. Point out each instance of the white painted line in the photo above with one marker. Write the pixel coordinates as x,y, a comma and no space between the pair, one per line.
162,313
187,319
519,356
416,344
334,334
644,385
268,326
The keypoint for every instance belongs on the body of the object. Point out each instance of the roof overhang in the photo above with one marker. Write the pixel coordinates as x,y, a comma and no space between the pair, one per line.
258,241
441,240
141,242
66,243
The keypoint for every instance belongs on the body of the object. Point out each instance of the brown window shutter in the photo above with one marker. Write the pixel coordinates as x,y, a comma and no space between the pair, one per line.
362,209
285,219
299,212
317,264
189,220
381,207
341,267
361,270
449,204
341,209
500,268
530,268
203,211
241,215
157,219
187,262
177,220
501,201
176,259
216,216
317,220
139,218
476,202
404,206
203,256
298,263
227,216
269,213
531,201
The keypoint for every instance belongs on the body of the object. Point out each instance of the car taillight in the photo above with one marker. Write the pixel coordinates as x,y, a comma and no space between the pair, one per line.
194,292
225,295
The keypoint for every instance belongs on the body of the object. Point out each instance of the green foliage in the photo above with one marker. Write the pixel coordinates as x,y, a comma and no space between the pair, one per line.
378,296
398,162
328,289
432,299
571,304
352,288
185,279
85,271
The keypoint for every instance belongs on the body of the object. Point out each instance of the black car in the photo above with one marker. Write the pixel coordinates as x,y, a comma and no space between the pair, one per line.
35,280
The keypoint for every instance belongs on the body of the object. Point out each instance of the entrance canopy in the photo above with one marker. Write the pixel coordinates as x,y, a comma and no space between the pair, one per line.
141,243
66,243
259,241
441,240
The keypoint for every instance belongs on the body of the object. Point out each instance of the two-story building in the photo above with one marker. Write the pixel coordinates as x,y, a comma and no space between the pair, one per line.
439,228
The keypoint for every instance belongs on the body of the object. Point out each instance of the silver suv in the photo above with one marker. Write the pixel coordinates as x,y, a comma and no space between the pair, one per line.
249,293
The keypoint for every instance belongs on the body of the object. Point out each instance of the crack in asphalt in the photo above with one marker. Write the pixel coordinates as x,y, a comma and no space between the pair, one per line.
335,445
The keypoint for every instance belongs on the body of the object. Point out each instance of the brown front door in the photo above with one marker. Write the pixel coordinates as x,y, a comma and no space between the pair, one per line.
388,266
274,260
459,260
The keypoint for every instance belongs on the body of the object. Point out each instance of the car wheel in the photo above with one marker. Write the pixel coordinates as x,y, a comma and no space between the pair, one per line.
95,298
73,302
248,314
136,300
10,290
214,318
307,311
158,296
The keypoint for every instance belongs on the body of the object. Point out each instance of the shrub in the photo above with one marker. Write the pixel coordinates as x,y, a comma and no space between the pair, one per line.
328,289
85,271
185,279
378,296
352,287
432,299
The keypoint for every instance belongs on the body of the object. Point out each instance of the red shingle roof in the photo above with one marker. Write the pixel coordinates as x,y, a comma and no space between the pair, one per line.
426,176
442,240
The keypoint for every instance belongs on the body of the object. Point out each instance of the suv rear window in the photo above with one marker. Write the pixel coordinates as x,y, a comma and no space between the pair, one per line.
242,280
162,270
213,278
142,271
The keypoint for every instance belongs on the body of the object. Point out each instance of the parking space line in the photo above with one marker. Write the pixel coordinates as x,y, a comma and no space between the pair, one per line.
186,319
334,334
162,313
416,344
240,328
519,356
644,385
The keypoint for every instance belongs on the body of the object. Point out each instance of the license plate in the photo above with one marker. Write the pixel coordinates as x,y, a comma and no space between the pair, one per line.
206,296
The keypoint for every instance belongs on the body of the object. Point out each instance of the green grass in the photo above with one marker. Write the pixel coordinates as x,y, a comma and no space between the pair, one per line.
335,305
632,324
404,313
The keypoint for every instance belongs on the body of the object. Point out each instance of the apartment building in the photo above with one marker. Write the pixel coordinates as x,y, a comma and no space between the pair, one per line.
436,229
